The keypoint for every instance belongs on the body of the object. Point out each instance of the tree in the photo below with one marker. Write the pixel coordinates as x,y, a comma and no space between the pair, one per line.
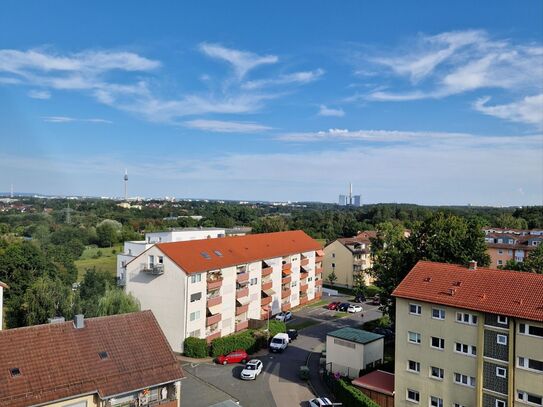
332,278
269,224
46,298
508,221
534,261
92,288
108,232
359,285
116,301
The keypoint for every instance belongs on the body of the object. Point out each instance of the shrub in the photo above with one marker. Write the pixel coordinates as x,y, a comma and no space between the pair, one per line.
243,340
277,327
195,347
371,291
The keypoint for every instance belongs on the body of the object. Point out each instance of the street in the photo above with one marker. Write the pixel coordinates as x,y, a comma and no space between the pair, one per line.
278,384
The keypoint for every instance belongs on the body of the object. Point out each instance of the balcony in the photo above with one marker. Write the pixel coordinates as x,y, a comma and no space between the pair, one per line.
304,274
318,283
318,259
242,277
214,283
265,314
212,335
286,280
318,270
267,271
286,266
241,309
285,306
286,293
303,287
214,300
242,325
266,301
304,262
213,319
153,269
266,285
303,300
242,292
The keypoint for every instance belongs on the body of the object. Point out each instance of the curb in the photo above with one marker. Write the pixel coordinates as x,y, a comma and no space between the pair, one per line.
211,385
309,379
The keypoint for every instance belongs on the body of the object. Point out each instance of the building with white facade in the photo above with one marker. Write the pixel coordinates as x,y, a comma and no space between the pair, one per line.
212,287
2,286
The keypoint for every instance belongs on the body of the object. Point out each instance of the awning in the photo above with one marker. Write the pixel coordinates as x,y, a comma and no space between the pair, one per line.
320,253
215,309
244,300
269,292
287,271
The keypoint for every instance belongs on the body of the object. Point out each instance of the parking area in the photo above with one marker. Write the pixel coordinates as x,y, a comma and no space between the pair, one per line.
322,313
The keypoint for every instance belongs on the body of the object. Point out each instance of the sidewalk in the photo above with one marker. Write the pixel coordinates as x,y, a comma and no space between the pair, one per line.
315,381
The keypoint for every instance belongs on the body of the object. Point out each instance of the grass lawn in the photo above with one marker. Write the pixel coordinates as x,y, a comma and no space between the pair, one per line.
340,314
302,324
89,259
319,303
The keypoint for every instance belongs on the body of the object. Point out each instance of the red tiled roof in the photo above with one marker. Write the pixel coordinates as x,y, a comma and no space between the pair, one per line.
503,292
380,381
236,250
58,361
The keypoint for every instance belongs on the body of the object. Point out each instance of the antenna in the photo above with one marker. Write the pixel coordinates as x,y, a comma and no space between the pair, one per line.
125,184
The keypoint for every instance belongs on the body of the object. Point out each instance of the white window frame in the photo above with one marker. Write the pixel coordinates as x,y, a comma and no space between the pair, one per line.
412,400
503,320
418,309
441,371
196,278
441,342
417,366
418,336
526,330
501,339
440,312
500,262
501,372
194,316
439,401
471,318
523,396
470,380
500,403
526,364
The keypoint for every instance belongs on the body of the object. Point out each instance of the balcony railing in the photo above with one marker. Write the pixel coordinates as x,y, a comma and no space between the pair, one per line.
318,270
213,335
242,277
318,282
242,325
242,292
213,319
214,300
153,269
304,287
266,300
286,266
286,280
303,300
265,314
285,306
242,309
285,293
266,285
304,262
318,259
214,283
304,274
267,271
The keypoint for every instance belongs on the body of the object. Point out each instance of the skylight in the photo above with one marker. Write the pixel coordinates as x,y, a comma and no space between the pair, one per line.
103,355
15,371
218,253
205,255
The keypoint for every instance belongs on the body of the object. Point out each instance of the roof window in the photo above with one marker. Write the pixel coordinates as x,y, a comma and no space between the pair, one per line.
15,372
205,255
103,355
218,253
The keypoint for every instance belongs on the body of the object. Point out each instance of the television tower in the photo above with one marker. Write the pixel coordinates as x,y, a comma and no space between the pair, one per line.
125,184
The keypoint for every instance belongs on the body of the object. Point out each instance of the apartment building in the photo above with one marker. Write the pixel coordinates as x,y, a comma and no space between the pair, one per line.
348,258
2,286
211,288
116,361
510,244
468,336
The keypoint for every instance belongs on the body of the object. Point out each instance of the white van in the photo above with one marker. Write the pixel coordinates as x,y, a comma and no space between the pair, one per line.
279,342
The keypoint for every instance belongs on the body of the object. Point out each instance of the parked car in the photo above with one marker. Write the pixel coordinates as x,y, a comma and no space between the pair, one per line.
360,298
251,370
236,356
320,402
376,300
333,305
292,334
386,332
279,342
284,316
344,306
354,308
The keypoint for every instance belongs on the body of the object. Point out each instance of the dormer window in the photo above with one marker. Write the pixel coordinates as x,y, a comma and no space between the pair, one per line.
15,372
103,355
205,255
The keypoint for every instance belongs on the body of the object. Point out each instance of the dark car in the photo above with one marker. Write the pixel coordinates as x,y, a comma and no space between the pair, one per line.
292,334
333,305
387,333
360,298
376,300
344,306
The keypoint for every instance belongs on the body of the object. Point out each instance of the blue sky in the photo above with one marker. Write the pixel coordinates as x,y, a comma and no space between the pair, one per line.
441,103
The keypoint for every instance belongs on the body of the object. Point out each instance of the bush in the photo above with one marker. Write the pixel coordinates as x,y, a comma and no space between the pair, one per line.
277,327
195,347
243,340
349,395
371,290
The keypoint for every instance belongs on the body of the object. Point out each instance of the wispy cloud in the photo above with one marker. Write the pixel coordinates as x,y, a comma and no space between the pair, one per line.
327,111
300,78
527,110
242,61
67,119
39,94
220,126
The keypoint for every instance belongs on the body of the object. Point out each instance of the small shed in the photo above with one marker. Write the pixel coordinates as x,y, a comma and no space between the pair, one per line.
351,350
377,385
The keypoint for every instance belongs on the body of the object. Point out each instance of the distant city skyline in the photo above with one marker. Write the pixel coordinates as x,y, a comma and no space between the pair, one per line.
429,104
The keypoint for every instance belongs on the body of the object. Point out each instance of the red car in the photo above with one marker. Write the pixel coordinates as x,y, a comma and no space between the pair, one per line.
334,305
233,357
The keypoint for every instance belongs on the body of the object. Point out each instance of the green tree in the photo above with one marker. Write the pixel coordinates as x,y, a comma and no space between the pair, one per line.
506,220
332,278
269,224
116,301
108,233
92,288
359,285
46,298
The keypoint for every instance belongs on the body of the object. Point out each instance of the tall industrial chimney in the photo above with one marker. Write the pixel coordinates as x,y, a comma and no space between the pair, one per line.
126,184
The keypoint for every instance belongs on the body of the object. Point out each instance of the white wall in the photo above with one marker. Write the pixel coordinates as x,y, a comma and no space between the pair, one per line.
183,235
349,361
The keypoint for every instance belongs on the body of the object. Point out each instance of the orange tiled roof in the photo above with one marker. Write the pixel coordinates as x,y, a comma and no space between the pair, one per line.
509,293
236,250
58,361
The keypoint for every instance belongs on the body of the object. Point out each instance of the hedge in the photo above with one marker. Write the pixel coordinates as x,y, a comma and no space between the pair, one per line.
243,340
349,395
195,347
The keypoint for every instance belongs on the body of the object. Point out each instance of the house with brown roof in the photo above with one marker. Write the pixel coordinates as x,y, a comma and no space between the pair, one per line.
503,245
2,287
468,336
116,361
211,288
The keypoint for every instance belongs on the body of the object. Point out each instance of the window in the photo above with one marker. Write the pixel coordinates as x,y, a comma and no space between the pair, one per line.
436,373
217,253
458,405
436,401
500,262
151,260
413,366
253,281
160,259
470,350
413,395
294,284
205,255
500,403
437,342
530,364
530,330
529,398
415,309
195,334
309,279
333,256
464,380
195,297
194,315
438,313
465,318
510,252
333,265
502,320
501,372
501,339
413,337
195,278
15,371
342,342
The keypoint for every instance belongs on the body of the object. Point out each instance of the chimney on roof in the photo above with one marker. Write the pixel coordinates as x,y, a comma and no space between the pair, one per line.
473,265
79,321
56,320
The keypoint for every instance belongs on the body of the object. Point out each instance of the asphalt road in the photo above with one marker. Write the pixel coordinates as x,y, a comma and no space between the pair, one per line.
278,384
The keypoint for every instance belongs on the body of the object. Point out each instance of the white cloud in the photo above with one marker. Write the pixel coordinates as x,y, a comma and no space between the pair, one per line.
220,126
528,110
66,119
39,94
327,111
292,78
242,61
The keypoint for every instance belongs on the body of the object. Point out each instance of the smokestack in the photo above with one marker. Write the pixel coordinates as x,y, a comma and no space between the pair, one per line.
473,265
79,321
